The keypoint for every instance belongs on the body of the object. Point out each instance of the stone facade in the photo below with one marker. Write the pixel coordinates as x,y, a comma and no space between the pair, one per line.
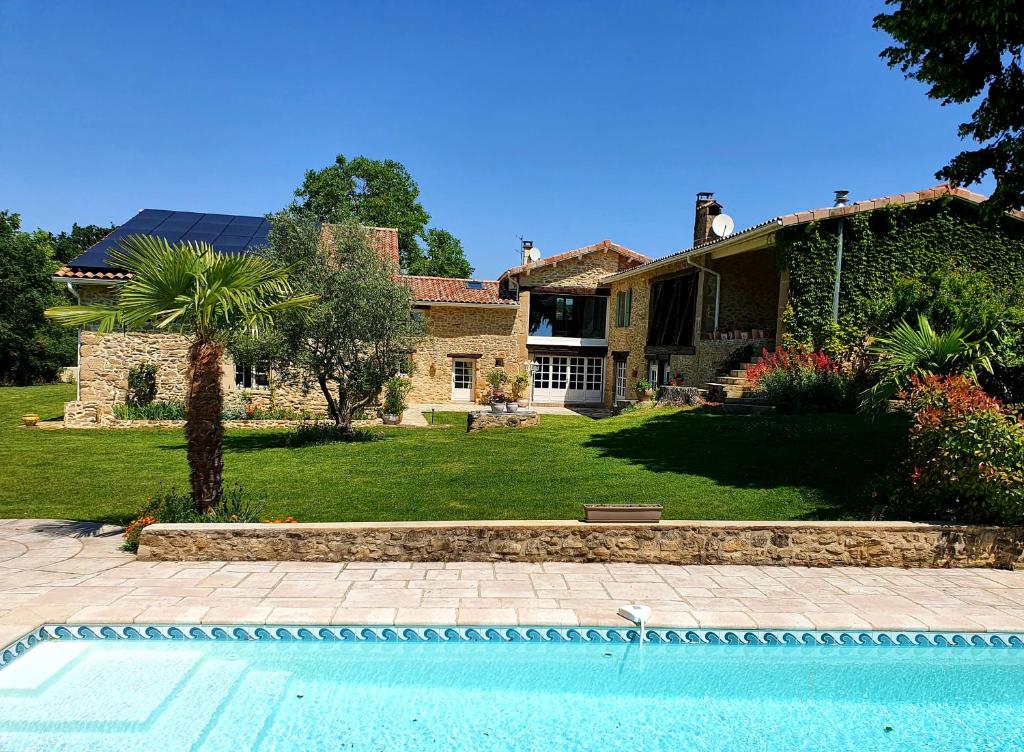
713,355
486,336
580,271
632,339
818,544
750,292
749,300
105,359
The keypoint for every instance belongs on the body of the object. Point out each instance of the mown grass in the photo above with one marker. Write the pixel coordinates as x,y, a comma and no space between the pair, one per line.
699,465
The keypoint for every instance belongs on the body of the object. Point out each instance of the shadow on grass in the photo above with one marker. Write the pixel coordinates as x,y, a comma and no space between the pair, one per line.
838,456
261,440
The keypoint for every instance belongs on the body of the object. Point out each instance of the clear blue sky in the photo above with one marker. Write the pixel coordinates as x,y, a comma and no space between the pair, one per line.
566,122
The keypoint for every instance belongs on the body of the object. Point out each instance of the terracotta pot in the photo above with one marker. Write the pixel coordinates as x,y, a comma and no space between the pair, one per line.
523,403
29,420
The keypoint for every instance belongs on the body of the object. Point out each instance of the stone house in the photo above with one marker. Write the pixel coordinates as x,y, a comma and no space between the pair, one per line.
588,321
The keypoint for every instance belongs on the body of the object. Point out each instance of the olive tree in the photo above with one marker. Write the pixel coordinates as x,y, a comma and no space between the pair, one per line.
361,329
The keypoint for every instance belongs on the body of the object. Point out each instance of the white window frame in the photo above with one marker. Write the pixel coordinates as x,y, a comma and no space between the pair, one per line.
620,380
252,372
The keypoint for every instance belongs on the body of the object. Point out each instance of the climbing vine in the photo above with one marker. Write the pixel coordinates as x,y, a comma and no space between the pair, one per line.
882,247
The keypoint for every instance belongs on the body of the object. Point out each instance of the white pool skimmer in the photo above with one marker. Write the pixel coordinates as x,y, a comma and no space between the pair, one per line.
638,614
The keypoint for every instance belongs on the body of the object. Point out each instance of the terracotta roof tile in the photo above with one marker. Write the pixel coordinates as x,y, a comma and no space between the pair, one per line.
801,217
69,272
449,290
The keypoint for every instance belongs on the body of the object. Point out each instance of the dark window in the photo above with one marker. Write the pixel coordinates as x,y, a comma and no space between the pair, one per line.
255,376
673,305
580,316
623,307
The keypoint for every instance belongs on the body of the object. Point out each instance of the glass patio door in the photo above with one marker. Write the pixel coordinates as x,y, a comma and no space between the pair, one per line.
462,380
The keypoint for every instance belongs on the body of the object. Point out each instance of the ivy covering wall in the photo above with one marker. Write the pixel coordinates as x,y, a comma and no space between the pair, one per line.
883,246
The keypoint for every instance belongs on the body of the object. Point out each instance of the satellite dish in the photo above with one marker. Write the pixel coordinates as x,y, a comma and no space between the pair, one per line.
535,254
722,225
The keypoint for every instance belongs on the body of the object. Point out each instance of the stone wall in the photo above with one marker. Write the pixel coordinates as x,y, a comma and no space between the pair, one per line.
633,338
105,359
493,334
818,544
580,271
750,292
711,357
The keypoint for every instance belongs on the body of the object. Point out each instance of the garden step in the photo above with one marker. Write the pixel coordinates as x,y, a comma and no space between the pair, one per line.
733,408
733,380
739,373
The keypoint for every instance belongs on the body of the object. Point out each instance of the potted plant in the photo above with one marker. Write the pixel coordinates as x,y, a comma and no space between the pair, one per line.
519,386
395,393
496,379
643,389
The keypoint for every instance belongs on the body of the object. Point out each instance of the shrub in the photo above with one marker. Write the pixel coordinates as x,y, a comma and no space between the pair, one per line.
496,379
327,433
907,352
520,383
641,387
799,381
965,457
151,411
235,505
141,384
395,392
957,296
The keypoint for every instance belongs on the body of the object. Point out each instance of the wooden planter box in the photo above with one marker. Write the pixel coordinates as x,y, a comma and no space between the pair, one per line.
623,512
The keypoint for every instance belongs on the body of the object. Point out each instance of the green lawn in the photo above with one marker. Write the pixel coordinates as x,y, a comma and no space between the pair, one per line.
698,465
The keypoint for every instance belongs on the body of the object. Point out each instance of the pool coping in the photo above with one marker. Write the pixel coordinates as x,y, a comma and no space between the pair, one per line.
507,634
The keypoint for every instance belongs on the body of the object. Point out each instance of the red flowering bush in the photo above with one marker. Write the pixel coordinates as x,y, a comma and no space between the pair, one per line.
966,453
796,381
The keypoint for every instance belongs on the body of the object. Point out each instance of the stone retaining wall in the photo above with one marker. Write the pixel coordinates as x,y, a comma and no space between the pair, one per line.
817,544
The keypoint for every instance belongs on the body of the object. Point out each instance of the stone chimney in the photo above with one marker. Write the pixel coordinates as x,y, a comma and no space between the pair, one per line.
527,247
707,210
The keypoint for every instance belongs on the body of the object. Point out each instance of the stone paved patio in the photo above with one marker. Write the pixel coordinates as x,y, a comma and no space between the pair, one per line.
58,571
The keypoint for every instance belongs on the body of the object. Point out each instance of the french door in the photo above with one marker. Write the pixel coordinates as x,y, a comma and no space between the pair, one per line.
561,378
620,380
462,380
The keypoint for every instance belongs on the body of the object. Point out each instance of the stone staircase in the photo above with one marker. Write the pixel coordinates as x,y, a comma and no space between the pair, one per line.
737,395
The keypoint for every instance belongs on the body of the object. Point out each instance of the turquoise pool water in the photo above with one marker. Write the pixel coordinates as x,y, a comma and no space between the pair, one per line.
294,696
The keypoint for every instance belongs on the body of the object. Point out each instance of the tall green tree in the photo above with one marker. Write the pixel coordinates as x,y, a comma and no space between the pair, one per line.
189,287
444,257
969,52
32,349
68,245
359,332
378,193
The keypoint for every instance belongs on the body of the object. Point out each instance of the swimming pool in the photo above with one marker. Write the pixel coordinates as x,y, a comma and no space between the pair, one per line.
288,689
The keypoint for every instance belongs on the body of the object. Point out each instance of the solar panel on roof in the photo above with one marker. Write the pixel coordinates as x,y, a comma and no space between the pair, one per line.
228,233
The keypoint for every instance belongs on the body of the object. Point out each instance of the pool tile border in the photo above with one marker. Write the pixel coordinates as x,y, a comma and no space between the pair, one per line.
654,635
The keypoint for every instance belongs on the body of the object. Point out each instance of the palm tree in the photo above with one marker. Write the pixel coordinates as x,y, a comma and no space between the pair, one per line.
908,352
189,287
